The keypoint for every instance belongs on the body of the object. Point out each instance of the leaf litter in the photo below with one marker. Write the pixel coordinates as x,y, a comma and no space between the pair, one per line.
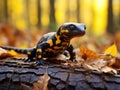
108,62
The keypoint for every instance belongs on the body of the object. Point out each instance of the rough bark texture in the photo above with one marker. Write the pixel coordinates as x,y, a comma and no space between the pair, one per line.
16,75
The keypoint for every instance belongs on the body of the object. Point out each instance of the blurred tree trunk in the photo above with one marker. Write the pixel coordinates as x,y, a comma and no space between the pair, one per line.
78,10
6,9
68,11
52,23
110,24
39,13
27,16
119,13
1,10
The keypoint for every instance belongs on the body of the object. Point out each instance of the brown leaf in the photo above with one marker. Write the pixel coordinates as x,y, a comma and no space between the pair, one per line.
42,82
25,87
115,63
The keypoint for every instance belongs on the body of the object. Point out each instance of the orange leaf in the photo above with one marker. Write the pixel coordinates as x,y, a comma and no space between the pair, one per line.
42,82
111,50
88,54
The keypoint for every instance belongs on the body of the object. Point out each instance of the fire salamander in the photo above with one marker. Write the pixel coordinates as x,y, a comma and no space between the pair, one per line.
53,43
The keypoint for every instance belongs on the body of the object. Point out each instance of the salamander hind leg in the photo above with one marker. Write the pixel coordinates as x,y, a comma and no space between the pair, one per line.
30,56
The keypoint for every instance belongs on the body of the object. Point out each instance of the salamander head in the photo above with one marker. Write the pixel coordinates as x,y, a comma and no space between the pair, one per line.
72,30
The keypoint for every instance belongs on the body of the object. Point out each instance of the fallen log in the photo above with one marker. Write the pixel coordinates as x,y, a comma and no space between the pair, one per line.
17,75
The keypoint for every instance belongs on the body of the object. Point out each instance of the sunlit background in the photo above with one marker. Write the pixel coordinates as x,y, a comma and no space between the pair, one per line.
100,16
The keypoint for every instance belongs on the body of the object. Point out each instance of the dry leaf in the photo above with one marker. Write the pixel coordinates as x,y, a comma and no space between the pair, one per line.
72,64
95,64
111,62
115,63
25,87
90,67
111,56
88,54
42,82
107,69
112,50
12,53
5,54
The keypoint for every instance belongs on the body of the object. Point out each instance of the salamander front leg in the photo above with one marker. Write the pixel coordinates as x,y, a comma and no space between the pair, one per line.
72,53
67,54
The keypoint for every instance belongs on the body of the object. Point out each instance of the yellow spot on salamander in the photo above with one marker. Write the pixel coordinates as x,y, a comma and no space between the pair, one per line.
28,53
58,39
64,31
39,56
50,42
39,50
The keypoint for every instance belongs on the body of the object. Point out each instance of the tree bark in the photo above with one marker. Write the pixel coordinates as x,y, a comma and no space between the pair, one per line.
17,75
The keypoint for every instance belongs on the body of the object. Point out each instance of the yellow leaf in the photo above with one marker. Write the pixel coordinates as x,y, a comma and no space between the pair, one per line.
12,53
112,50
6,54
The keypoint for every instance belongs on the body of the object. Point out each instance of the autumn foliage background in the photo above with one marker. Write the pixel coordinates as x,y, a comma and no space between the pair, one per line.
23,22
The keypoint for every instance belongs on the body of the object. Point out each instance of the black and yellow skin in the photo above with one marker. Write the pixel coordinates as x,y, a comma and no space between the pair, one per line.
54,43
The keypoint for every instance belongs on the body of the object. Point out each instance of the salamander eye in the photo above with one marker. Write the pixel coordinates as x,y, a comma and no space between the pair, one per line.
72,27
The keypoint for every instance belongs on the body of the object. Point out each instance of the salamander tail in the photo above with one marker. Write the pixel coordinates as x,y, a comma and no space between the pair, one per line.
18,50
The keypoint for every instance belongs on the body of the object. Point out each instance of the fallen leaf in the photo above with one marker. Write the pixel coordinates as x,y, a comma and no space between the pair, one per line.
25,87
111,62
112,50
115,63
90,67
5,53
72,64
2,51
12,53
95,64
42,82
88,54
110,70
